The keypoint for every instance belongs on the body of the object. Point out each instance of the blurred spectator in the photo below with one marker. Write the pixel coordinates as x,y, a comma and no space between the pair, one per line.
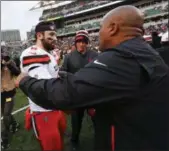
160,28
164,50
156,40
8,90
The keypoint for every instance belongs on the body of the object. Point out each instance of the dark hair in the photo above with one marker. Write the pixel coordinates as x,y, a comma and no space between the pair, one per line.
6,57
44,23
40,25
154,34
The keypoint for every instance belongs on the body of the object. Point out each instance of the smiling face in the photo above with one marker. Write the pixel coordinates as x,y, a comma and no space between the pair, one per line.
81,45
48,39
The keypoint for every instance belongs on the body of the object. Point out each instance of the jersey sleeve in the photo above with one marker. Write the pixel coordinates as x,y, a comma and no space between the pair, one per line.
34,65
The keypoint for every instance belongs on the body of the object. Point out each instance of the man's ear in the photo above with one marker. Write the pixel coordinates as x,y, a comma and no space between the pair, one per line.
39,35
113,29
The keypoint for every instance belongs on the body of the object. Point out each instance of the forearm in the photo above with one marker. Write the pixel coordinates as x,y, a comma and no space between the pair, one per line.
29,86
51,94
14,70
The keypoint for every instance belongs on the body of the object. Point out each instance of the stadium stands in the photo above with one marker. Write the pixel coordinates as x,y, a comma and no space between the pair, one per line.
156,19
75,6
150,10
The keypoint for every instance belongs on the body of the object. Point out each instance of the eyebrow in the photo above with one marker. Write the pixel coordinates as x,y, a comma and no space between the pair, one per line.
52,33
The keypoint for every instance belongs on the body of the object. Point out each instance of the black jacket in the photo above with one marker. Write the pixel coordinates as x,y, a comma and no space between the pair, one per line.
75,60
164,53
129,88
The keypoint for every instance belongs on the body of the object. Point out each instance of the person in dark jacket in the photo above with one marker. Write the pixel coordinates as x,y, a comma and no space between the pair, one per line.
156,40
17,62
127,84
73,62
8,71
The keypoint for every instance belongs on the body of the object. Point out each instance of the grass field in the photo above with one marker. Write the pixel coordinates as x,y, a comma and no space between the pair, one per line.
25,140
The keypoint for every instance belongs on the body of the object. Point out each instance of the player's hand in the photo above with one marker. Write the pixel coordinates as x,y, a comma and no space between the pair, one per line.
19,78
3,62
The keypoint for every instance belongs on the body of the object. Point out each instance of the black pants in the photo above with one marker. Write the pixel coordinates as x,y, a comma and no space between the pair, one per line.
7,103
76,121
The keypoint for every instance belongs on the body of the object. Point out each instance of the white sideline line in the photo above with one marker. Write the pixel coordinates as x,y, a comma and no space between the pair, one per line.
19,110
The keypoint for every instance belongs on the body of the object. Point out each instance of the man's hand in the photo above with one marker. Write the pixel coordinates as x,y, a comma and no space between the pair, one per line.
19,78
3,62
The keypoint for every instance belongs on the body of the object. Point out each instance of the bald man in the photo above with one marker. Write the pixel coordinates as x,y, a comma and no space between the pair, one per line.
127,84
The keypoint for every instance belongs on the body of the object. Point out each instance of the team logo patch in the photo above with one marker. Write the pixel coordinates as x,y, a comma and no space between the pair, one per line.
45,118
52,27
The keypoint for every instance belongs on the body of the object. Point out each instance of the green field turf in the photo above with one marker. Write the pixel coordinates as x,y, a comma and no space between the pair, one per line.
25,140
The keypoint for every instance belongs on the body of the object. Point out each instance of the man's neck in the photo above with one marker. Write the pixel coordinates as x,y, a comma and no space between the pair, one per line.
39,44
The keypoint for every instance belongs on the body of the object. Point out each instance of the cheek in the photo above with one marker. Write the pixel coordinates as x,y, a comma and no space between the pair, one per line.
101,36
77,46
84,45
101,39
48,40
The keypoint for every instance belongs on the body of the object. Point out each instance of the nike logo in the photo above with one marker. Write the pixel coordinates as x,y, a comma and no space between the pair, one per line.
99,63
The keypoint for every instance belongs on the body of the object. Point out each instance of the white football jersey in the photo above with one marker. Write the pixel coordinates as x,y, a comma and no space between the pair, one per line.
39,64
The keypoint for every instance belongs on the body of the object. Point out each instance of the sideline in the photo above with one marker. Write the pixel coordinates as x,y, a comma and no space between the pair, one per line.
19,110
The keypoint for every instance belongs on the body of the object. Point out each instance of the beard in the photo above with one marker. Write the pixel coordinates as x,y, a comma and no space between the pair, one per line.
47,46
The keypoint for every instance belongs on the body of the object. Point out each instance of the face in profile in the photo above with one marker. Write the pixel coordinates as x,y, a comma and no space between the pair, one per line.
49,40
103,36
107,35
81,45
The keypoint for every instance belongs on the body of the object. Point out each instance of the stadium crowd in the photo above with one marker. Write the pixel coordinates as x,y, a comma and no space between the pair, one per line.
159,28
65,44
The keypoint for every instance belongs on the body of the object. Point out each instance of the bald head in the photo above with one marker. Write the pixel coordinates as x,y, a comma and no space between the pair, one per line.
120,24
125,16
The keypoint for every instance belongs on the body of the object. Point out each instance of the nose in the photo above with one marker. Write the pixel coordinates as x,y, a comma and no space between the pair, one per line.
81,43
54,38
